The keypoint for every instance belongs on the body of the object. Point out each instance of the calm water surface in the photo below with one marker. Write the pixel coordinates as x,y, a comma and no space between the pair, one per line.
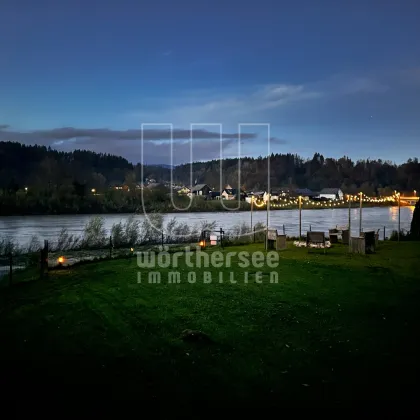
23,228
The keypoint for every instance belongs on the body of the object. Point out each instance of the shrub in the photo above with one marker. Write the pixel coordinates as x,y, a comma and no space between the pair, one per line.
94,233
152,228
404,235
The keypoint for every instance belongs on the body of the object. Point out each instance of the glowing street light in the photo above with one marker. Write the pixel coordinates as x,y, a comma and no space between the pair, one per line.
93,190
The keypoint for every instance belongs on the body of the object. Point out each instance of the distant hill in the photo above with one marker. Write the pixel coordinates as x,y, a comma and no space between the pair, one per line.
163,165
22,165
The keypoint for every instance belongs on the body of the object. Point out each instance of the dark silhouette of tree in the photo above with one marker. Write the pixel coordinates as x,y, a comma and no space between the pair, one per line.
415,223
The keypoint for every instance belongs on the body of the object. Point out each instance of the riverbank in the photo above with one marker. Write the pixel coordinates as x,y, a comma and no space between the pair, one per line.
24,229
333,329
196,206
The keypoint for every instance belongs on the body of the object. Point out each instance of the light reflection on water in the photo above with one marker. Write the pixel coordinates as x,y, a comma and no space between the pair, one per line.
22,228
393,211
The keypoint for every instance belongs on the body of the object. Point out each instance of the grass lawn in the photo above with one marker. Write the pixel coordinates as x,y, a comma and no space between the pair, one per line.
336,329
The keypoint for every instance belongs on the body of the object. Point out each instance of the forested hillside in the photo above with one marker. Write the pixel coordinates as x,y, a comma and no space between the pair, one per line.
36,179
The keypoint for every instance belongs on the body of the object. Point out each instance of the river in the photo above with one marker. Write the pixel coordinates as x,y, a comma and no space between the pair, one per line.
22,228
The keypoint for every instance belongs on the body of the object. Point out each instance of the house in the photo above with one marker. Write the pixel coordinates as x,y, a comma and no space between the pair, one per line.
230,194
305,193
274,196
233,194
200,189
184,190
331,194
256,196
213,195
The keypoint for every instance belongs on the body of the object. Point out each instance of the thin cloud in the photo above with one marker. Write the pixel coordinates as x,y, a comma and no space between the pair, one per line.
69,133
276,141
156,146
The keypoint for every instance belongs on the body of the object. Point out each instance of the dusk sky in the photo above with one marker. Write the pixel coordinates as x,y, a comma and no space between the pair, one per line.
335,77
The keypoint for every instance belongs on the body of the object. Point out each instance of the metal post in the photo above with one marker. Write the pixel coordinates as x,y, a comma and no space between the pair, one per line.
221,238
110,247
384,232
284,230
360,221
399,216
254,234
300,218
162,238
310,228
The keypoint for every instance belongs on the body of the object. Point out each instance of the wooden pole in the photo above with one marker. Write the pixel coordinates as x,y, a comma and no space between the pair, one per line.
300,218
384,232
360,221
268,212
399,216
252,207
349,222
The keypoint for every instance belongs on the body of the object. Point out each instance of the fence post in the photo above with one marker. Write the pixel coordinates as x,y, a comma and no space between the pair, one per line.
162,238
310,228
284,230
221,238
11,269
384,232
110,247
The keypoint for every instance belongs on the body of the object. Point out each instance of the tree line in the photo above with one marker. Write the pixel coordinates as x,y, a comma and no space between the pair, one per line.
41,180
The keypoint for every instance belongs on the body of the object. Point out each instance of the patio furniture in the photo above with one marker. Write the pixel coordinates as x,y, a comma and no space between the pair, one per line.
345,236
276,241
333,234
363,244
315,238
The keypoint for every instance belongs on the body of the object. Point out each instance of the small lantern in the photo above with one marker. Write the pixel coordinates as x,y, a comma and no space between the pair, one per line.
60,260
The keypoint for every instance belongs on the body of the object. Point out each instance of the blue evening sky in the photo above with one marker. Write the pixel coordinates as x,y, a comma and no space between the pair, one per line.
335,77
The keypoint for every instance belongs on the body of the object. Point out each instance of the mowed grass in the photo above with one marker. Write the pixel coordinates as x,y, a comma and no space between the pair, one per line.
335,329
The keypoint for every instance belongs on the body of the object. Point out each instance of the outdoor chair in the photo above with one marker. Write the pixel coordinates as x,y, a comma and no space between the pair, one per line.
315,238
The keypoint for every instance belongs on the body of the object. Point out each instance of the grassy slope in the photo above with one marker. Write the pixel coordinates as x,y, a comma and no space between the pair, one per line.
336,328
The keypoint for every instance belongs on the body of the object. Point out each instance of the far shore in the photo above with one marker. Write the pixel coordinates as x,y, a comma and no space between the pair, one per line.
213,208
